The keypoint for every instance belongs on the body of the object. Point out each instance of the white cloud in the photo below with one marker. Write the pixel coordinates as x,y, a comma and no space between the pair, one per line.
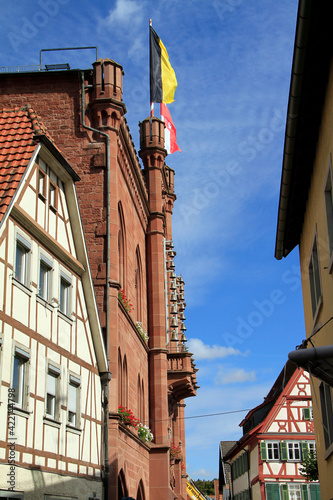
234,377
125,12
204,351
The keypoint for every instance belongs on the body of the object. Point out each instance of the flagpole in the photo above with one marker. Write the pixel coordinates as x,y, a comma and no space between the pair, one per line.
151,104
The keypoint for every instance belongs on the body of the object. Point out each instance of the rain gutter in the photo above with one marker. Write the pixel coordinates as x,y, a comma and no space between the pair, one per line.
105,377
296,85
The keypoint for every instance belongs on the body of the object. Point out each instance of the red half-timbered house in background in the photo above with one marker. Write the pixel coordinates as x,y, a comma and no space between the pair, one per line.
277,436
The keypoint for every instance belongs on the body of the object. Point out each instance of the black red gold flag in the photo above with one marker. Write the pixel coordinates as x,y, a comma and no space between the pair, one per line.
163,82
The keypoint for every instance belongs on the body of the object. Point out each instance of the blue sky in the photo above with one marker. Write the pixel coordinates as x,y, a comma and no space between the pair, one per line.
232,60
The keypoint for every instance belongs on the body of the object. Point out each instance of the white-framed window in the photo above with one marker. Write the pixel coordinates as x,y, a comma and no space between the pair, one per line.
294,491
45,274
52,391
294,450
65,294
22,260
314,276
273,450
326,413
20,376
74,388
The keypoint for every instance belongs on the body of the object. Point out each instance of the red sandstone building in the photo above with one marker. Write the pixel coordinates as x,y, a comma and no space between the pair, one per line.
126,212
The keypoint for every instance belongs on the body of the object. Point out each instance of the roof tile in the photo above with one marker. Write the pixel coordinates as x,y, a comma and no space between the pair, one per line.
18,130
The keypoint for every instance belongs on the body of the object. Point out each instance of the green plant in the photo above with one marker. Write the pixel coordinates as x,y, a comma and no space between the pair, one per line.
145,433
140,329
125,301
309,468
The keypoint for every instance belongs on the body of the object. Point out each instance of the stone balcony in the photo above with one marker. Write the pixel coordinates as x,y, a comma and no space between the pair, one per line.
182,380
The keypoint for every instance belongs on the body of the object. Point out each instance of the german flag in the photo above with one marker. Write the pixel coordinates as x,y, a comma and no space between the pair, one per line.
163,82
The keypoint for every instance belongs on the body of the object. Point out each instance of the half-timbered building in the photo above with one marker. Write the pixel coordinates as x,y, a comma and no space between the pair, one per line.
52,353
277,436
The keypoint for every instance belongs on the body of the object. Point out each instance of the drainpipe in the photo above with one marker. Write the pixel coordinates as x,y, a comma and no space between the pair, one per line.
231,480
105,377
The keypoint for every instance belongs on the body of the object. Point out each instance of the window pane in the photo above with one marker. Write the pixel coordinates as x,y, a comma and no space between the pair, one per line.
18,380
327,413
44,274
72,397
50,405
52,383
73,403
64,296
21,263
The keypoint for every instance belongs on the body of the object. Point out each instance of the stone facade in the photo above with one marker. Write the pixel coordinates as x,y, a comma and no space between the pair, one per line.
126,212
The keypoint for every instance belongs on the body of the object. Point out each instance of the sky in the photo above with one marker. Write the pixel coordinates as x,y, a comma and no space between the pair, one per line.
232,59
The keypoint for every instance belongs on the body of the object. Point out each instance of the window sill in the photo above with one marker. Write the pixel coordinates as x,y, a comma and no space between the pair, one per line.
45,303
330,265
53,209
328,452
48,420
21,412
65,317
73,430
42,197
22,286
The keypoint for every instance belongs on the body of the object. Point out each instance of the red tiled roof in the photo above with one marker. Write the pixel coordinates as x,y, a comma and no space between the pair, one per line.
18,130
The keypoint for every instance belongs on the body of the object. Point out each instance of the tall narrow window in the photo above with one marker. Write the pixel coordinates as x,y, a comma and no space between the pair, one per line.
121,247
125,388
20,377
143,415
65,289
53,196
22,259
326,413
329,207
138,285
74,401
314,275
52,392
120,380
139,398
41,184
45,268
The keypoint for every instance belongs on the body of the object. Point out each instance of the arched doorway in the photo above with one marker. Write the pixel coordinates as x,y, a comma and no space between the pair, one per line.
122,490
141,492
